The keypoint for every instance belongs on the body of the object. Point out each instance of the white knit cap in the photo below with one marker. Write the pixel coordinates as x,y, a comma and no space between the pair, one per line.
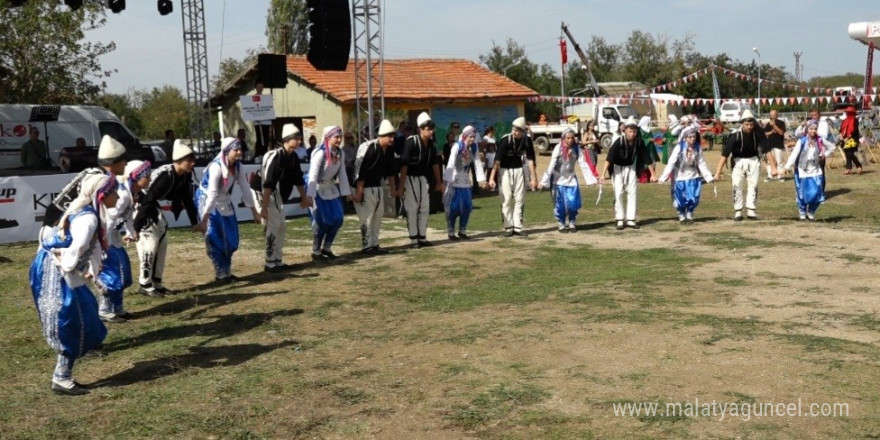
519,123
110,151
180,150
423,120
630,122
289,131
385,128
747,114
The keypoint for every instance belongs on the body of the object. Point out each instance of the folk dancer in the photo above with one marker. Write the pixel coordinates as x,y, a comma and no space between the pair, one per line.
561,177
67,257
687,167
173,182
327,183
744,148
374,162
214,202
627,157
509,160
458,195
111,161
280,172
419,158
115,275
807,158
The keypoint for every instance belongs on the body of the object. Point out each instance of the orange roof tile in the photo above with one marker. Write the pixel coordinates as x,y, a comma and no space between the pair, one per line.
416,80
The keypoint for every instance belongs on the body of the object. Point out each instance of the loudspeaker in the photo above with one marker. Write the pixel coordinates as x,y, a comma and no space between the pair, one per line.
329,34
272,70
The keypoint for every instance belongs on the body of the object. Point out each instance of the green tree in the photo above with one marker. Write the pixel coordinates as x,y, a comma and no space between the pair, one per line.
44,57
232,68
605,59
513,61
122,106
287,27
161,109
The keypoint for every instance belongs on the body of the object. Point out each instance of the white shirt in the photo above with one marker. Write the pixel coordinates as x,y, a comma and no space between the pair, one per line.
563,172
217,193
122,213
84,253
457,171
692,166
324,177
808,162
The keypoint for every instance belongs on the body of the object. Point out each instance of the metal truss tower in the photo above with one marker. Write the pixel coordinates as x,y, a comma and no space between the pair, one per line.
195,49
369,65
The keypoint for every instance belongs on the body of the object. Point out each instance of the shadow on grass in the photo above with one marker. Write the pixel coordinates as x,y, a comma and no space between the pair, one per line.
220,327
198,357
835,219
208,299
836,192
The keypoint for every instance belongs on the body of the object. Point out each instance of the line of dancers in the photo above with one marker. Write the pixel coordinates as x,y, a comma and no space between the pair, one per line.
102,208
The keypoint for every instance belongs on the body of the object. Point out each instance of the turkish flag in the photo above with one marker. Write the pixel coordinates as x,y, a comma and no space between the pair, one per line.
564,49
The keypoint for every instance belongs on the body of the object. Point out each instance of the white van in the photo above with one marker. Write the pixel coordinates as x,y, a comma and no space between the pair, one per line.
85,121
731,111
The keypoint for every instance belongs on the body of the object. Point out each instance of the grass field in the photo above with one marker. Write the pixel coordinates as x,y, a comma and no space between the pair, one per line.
541,337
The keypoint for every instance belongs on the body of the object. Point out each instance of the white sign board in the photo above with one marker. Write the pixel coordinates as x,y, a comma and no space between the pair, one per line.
23,201
257,108
865,32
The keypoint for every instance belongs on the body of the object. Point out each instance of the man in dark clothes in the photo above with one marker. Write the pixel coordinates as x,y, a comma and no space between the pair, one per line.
280,172
745,147
511,180
419,159
775,143
374,162
628,157
172,182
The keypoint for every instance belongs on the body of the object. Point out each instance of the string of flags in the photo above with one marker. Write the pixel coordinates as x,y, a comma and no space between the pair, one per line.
743,77
791,100
828,96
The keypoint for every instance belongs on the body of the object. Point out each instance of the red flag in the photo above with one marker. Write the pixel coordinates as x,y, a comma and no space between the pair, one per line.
564,49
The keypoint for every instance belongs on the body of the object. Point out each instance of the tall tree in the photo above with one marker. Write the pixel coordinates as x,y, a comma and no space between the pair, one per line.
513,62
122,106
287,27
232,68
161,109
44,57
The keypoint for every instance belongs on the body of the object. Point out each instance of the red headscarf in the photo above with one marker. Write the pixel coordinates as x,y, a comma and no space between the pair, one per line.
848,126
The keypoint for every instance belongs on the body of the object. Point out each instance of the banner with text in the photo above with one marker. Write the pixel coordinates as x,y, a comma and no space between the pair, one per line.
23,202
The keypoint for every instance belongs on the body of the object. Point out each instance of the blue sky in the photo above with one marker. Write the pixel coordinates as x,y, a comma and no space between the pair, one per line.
150,47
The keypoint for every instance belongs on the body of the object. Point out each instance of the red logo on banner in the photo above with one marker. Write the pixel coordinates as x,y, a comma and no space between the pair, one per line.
256,98
19,130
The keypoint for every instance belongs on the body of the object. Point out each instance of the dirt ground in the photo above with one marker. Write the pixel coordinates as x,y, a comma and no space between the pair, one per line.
764,308
492,339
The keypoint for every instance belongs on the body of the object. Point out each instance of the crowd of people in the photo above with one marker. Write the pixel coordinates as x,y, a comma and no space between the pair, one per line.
87,225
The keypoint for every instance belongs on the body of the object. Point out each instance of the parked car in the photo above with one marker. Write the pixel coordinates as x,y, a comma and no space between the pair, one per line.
731,111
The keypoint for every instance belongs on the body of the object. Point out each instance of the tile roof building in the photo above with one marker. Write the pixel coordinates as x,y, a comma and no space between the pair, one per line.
451,90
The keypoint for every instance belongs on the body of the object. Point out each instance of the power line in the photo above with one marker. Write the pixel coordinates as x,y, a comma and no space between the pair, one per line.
222,30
